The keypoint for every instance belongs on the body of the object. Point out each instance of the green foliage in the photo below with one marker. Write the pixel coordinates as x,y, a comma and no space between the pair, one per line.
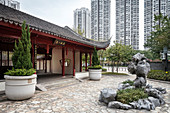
22,57
20,72
129,95
95,60
129,82
102,54
95,67
159,75
111,73
120,53
148,54
103,69
160,37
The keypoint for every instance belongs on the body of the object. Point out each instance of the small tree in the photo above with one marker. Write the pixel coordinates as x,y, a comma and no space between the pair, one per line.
95,60
120,53
22,56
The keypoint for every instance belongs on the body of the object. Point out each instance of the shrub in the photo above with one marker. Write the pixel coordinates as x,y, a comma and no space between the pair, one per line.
22,57
95,67
95,60
103,69
129,95
20,72
129,82
159,75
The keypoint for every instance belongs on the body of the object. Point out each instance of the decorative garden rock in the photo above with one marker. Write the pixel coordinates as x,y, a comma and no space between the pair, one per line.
162,90
140,67
132,68
138,57
123,86
130,87
154,101
155,93
143,104
139,82
107,95
119,105
148,86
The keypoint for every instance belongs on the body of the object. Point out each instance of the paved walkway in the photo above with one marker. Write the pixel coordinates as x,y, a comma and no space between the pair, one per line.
81,97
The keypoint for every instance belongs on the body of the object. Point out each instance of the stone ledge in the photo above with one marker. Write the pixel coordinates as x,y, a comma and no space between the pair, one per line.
168,82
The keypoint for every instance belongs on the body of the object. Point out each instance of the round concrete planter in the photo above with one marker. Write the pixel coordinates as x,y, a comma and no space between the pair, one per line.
95,74
20,87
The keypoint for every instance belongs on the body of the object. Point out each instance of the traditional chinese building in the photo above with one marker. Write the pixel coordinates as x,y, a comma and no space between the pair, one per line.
51,44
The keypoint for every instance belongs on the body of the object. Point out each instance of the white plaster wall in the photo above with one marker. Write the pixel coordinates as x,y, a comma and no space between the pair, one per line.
48,65
56,56
69,69
77,61
37,65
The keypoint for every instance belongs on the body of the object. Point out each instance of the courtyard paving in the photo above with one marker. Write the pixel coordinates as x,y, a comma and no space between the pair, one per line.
77,97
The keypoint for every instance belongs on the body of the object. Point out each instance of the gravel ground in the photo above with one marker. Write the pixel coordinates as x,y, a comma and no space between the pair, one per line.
77,97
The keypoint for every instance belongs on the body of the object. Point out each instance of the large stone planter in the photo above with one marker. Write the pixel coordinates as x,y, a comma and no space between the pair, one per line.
20,87
95,74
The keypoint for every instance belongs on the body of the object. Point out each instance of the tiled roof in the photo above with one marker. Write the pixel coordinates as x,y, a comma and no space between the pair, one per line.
17,17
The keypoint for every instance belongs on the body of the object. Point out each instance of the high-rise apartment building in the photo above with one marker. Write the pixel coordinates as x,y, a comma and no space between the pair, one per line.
82,21
11,3
152,7
100,19
127,22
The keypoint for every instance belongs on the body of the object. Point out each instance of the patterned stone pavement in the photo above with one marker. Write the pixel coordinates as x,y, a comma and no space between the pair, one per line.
77,98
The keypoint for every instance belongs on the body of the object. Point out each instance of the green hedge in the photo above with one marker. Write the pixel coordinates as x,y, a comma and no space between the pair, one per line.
159,75
103,69
129,82
20,72
129,95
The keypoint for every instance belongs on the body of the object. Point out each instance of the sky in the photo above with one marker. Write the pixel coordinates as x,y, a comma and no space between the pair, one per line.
60,12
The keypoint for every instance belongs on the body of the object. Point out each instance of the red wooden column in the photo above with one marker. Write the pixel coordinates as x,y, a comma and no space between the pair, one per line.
80,61
85,61
90,59
47,48
33,54
73,62
34,51
63,61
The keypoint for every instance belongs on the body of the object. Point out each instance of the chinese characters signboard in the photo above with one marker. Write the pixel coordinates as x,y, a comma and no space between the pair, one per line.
59,42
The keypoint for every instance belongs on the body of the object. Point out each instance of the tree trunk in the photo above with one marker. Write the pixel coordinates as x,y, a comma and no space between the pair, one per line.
117,66
112,67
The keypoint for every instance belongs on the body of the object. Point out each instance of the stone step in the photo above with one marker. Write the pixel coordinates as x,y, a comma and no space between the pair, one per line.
60,84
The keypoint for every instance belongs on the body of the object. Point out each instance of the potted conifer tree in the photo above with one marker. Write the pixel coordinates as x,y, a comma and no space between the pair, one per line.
21,80
95,70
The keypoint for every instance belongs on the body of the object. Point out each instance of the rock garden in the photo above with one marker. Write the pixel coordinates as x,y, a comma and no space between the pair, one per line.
136,94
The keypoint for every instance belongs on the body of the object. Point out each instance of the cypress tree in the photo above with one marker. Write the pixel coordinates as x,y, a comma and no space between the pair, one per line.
22,56
95,60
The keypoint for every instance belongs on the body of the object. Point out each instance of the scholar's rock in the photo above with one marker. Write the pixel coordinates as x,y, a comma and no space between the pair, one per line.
119,105
107,95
